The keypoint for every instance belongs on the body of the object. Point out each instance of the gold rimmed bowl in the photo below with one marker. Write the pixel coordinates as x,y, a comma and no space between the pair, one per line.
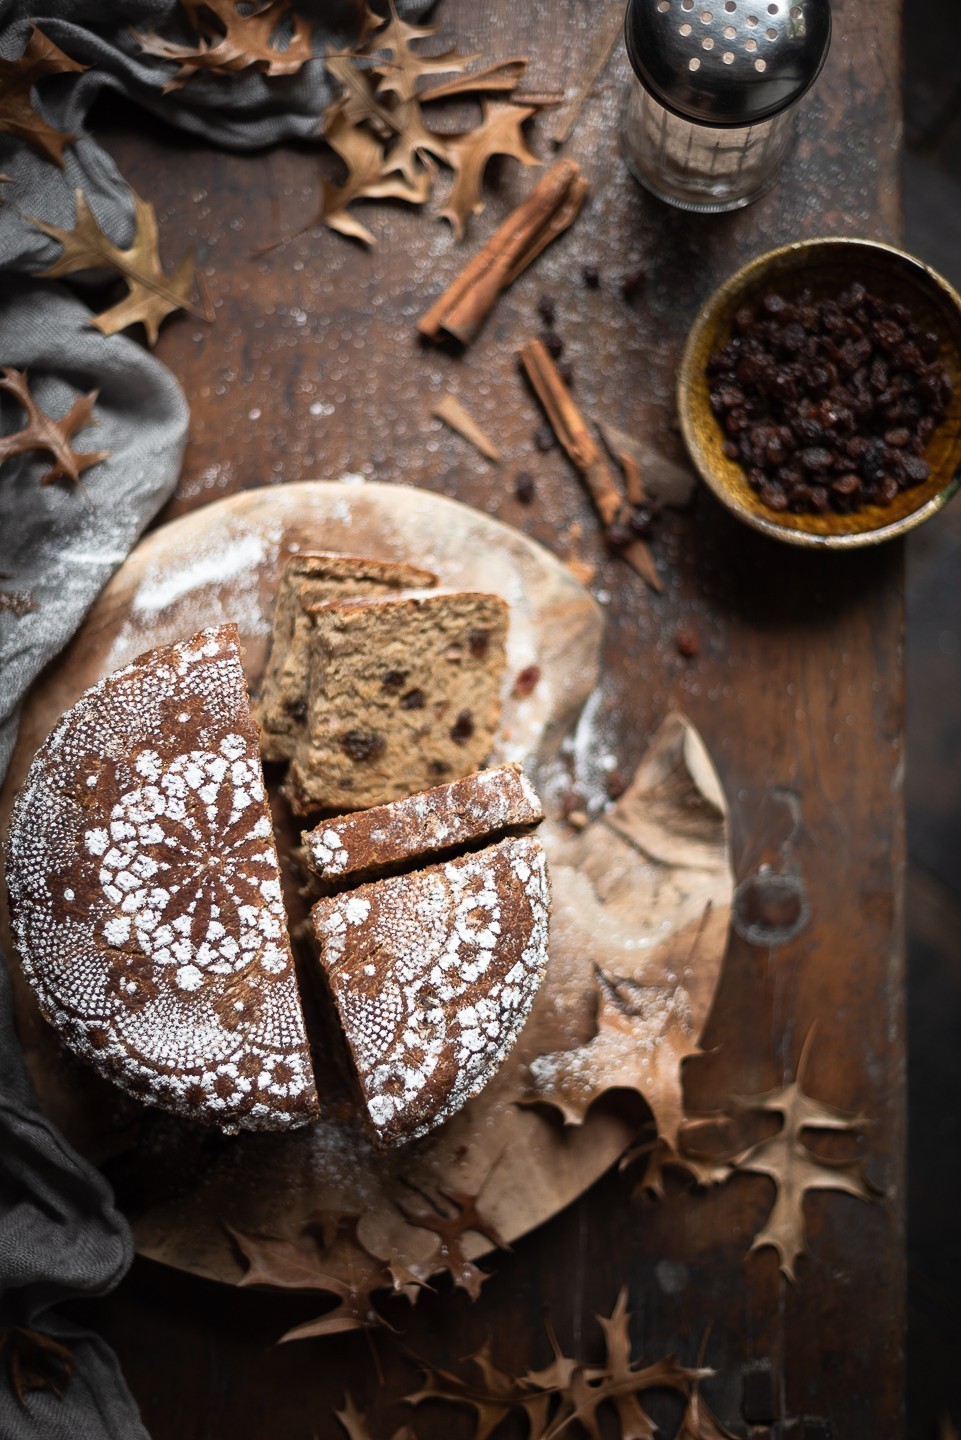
825,267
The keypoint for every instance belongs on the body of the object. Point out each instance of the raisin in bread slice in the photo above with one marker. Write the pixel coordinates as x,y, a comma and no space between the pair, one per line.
433,975
306,580
405,691
481,807
145,893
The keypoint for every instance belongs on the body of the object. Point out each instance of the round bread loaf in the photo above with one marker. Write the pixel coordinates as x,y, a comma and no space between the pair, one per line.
146,898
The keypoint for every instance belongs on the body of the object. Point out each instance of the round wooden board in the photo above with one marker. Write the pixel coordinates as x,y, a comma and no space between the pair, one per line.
182,1185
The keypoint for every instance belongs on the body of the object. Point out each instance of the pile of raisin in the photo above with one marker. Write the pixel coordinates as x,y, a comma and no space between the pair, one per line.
829,404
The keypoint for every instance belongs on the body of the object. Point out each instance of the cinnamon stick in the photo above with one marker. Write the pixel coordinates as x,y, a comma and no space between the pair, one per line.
585,455
547,212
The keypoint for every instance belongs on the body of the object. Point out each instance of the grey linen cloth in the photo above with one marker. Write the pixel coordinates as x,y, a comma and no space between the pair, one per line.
60,1234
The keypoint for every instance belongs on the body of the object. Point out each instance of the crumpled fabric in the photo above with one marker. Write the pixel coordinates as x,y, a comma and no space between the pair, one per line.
60,1234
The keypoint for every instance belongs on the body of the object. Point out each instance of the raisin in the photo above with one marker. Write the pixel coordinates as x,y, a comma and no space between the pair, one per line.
525,682
524,487
393,680
591,276
478,643
462,728
413,700
363,745
544,437
616,784
553,344
438,767
546,309
686,642
633,283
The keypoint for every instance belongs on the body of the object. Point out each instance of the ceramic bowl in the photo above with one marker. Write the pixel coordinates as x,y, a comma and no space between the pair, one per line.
825,267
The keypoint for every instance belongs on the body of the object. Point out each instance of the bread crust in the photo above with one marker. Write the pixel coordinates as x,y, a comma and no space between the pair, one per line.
145,893
433,975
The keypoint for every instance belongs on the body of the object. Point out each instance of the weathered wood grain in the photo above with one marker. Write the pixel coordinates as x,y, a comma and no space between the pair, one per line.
312,368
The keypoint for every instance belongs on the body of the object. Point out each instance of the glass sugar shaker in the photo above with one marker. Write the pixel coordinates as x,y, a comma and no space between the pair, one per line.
710,114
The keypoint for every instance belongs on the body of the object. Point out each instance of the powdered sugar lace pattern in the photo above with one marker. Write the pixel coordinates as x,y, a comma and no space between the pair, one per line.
434,974
432,820
146,894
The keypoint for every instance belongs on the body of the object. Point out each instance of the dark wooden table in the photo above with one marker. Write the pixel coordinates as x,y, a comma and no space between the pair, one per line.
312,369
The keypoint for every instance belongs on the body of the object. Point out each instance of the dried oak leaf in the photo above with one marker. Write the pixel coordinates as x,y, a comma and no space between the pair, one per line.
651,883
499,133
35,1362
451,1229
230,40
18,115
619,1382
366,180
287,1264
354,1422
698,1422
499,1392
400,74
794,1169
152,295
43,433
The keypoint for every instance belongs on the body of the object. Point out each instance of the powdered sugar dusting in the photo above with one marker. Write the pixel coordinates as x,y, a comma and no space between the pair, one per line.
422,824
146,896
435,980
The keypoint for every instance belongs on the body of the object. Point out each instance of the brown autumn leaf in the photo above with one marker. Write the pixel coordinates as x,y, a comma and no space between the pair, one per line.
287,1264
43,433
18,114
399,76
230,40
794,1169
151,296
649,884
354,1422
35,1362
619,1382
451,1228
366,180
500,133
566,1392
699,1423
379,121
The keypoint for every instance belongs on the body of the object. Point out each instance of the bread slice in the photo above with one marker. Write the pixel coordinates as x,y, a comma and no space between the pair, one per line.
145,893
306,580
374,842
433,975
405,691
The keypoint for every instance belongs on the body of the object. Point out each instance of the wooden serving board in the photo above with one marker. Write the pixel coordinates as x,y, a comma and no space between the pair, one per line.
183,1185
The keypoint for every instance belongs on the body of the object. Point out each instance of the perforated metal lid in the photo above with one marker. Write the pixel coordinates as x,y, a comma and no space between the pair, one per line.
727,62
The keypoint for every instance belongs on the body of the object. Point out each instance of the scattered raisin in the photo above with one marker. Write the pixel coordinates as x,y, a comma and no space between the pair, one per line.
524,487
617,783
478,643
393,680
592,276
633,283
413,700
546,309
687,642
438,767
462,728
363,744
525,682
544,437
553,344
